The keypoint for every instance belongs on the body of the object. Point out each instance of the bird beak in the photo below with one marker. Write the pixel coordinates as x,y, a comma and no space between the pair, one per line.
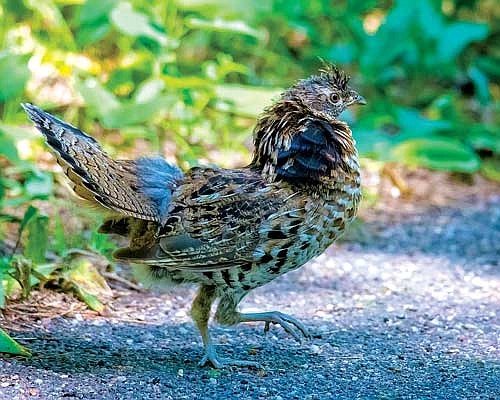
360,100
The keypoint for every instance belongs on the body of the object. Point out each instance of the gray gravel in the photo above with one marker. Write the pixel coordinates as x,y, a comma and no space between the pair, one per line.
413,314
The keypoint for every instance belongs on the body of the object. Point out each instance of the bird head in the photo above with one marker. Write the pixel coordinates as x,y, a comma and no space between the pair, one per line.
300,138
325,95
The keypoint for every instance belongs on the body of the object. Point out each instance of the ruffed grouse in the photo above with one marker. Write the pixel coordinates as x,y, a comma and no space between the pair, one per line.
229,230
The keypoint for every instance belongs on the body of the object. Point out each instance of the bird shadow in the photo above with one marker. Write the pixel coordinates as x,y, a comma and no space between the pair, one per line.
357,359
128,348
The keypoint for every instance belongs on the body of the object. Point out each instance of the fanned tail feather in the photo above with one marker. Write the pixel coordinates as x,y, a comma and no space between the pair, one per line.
138,188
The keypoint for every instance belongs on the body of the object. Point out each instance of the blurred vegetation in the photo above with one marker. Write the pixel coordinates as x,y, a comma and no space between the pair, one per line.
187,79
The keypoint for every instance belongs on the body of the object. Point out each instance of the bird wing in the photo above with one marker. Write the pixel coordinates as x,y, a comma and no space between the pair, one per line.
216,222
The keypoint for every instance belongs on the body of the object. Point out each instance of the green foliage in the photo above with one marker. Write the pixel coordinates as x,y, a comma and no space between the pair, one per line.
415,59
441,153
37,241
166,71
188,78
9,345
4,270
14,73
84,279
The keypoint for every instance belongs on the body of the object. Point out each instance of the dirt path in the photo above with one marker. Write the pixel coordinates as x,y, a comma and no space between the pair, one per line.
411,314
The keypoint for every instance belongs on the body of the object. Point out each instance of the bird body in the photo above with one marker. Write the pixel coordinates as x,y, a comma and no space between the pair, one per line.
244,235
229,230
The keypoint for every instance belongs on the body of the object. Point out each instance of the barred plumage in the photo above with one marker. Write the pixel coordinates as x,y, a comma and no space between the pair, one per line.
229,231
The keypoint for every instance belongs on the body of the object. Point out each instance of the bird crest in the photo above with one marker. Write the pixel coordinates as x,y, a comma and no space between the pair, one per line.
334,75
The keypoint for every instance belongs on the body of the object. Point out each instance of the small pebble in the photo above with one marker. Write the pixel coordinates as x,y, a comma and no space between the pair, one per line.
315,349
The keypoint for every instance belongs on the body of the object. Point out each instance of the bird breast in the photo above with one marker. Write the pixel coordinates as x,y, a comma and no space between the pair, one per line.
307,224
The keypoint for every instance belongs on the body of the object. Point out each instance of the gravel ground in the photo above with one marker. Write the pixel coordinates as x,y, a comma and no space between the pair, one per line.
411,313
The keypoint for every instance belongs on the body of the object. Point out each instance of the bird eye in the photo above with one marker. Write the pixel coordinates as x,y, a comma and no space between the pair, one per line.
334,97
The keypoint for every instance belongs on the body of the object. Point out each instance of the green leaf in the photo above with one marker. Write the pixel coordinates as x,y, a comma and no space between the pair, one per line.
14,74
112,113
481,83
455,37
2,194
39,184
92,33
437,153
54,20
226,8
380,50
133,23
489,65
59,244
220,25
2,293
4,275
430,19
100,100
38,238
102,243
411,121
12,286
149,90
16,132
40,273
88,283
130,114
9,218
246,100
93,11
9,345
94,20
490,168
483,138
45,270
29,214
214,373
7,147
186,81
89,299
373,143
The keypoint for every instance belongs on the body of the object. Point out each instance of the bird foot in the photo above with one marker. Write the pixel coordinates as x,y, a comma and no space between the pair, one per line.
291,325
217,362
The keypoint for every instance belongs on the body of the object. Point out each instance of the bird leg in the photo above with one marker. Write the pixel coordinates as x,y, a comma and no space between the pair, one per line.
200,312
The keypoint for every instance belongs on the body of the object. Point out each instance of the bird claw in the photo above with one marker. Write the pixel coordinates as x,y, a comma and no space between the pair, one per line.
287,322
217,362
